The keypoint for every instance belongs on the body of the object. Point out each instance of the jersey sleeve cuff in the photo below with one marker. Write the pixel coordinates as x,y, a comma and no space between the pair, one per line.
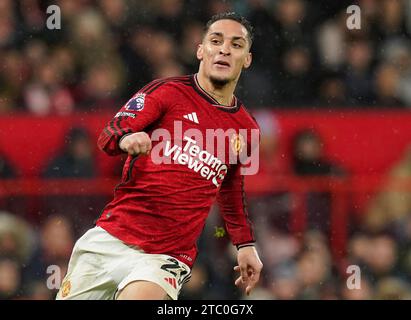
243,245
121,139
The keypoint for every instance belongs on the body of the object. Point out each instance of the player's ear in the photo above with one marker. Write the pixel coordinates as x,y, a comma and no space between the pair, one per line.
200,51
248,60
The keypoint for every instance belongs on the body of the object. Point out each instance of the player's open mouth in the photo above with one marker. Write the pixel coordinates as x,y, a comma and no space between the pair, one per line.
222,64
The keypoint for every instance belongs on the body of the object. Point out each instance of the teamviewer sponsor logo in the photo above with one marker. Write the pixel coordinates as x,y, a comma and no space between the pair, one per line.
222,148
197,160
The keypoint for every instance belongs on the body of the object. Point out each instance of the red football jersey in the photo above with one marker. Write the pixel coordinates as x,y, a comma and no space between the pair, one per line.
162,207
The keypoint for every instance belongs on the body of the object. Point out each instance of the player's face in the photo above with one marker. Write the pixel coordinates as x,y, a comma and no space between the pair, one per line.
225,51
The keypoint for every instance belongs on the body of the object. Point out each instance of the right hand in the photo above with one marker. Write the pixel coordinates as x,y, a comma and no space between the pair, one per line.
136,143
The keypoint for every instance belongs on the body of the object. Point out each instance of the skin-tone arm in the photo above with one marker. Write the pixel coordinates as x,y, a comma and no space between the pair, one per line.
249,266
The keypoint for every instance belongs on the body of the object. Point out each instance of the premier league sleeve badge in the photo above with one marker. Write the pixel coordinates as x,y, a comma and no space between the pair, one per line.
136,103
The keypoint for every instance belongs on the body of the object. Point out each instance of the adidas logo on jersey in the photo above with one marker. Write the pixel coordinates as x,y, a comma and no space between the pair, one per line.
171,281
192,117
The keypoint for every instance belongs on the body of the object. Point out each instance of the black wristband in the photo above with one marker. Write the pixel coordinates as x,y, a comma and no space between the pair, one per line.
127,134
239,246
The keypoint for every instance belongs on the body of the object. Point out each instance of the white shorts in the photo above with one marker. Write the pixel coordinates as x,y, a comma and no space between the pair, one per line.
102,265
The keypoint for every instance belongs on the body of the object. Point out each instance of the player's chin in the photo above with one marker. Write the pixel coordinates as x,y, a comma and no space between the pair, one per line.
220,79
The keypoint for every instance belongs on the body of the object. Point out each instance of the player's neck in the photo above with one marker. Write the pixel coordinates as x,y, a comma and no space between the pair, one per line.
224,95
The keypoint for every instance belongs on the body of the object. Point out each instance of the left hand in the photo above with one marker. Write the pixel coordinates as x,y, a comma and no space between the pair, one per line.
249,266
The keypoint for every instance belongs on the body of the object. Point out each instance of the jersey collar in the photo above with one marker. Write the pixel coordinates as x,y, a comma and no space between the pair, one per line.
235,104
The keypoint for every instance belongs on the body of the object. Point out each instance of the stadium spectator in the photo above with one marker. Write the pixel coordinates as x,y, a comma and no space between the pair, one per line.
308,160
270,210
17,247
298,80
37,290
398,53
293,25
76,160
7,171
192,34
16,237
46,93
392,204
170,17
64,60
56,240
357,75
358,248
101,88
284,282
314,265
330,42
8,25
391,21
382,258
117,14
7,103
332,91
392,288
386,84
365,292
92,42
134,52
162,52
14,76
10,278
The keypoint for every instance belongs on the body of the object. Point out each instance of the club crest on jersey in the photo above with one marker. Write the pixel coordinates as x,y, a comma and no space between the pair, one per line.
136,103
237,143
65,288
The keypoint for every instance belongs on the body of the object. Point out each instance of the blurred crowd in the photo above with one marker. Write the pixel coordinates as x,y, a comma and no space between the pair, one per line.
304,269
304,56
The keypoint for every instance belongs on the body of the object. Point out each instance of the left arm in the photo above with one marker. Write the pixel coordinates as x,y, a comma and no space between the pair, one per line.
231,201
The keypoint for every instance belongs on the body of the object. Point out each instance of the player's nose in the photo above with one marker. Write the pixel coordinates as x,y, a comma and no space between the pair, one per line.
225,49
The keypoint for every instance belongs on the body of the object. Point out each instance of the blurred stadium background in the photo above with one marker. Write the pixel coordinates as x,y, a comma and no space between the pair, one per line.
334,187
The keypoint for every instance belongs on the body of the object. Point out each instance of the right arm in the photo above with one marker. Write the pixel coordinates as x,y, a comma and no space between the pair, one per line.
125,132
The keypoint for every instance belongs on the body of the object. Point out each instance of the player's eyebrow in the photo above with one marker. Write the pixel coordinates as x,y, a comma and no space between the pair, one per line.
219,34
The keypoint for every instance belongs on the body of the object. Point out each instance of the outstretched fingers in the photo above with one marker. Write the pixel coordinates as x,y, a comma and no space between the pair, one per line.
253,280
248,278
